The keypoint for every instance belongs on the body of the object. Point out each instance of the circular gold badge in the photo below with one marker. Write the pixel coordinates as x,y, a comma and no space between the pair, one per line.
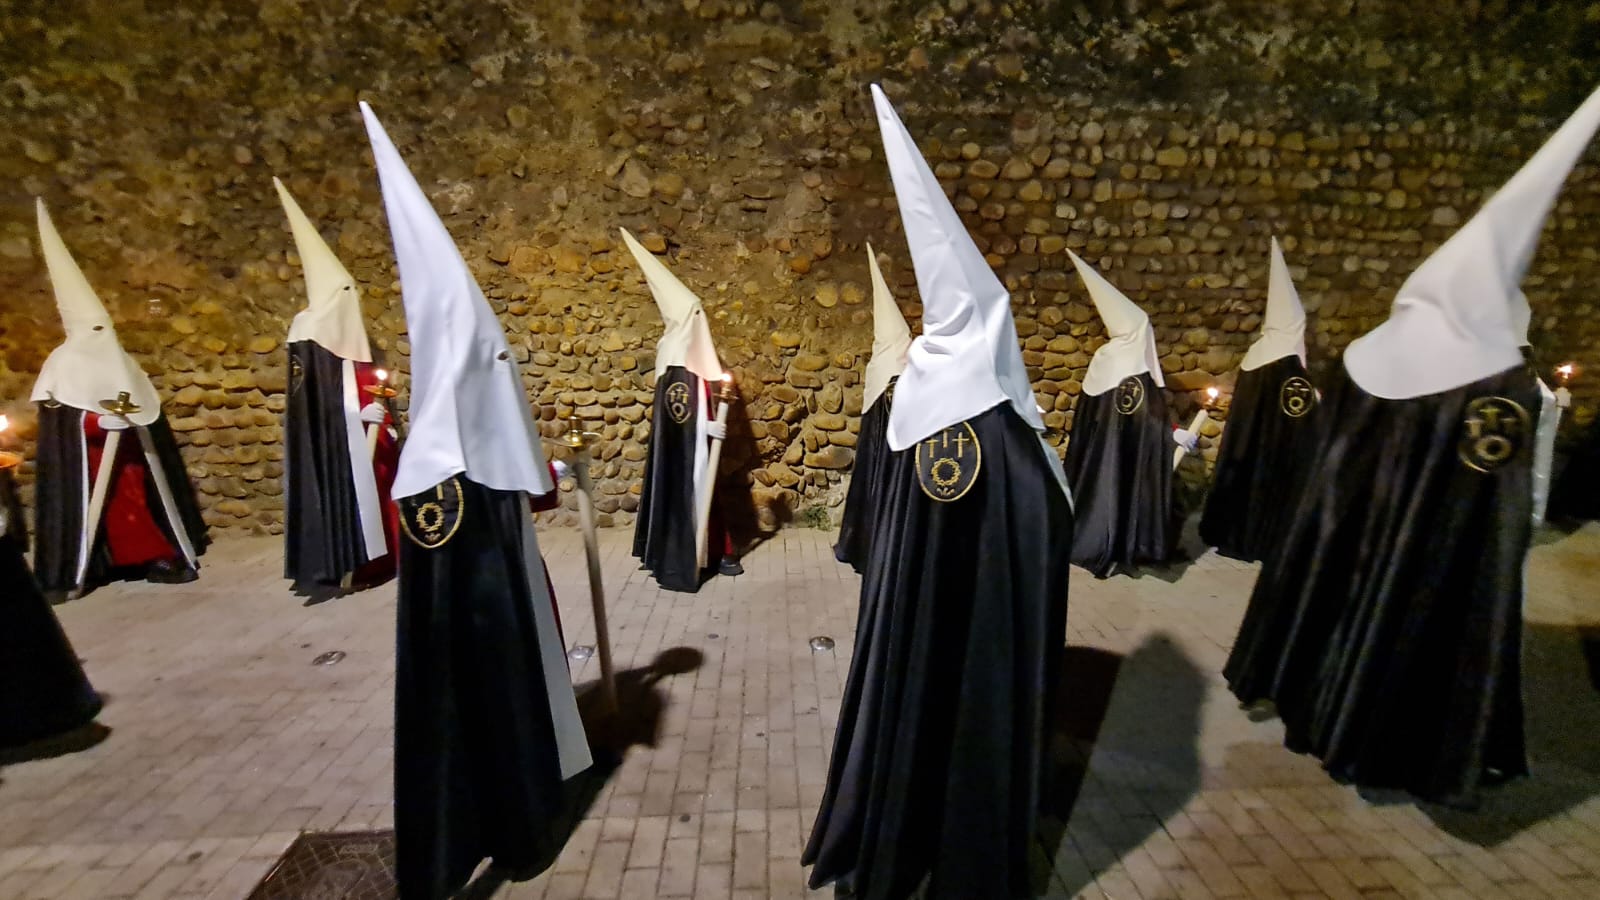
948,462
680,404
1130,396
1296,397
1493,432
432,518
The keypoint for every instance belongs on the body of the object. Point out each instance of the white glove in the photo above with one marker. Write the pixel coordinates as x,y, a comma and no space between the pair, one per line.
562,469
1186,439
717,430
113,423
372,413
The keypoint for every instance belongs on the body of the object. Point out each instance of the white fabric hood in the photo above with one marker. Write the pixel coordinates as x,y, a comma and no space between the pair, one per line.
687,339
891,337
1130,347
469,412
967,359
1283,328
90,366
332,317
1456,319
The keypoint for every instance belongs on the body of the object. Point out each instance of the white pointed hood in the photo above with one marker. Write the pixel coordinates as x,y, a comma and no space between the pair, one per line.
90,366
687,339
469,412
967,358
1456,319
891,337
1283,328
332,317
1130,347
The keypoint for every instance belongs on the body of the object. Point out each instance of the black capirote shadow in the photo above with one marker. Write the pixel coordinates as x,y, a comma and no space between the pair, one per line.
1561,687
1142,711
636,721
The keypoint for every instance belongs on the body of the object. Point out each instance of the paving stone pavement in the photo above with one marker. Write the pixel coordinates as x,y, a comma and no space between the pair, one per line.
224,742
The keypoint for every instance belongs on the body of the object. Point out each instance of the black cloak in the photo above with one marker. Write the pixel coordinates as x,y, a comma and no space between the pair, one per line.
322,518
61,497
478,771
1260,459
43,691
1119,463
1387,626
664,536
866,483
1575,490
935,772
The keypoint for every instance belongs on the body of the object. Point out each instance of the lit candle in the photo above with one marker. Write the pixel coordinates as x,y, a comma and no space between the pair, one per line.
1199,422
1564,372
8,459
382,375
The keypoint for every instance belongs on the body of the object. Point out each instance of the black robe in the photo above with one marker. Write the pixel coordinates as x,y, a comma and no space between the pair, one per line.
1119,463
43,691
1575,489
61,497
935,773
478,771
1262,454
664,534
322,519
1387,626
866,483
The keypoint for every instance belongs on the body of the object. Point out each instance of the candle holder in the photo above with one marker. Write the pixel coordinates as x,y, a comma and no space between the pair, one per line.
382,390
725,391
575,437
122,406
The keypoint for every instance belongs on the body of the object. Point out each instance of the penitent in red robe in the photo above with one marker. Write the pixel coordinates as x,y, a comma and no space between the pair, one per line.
132,535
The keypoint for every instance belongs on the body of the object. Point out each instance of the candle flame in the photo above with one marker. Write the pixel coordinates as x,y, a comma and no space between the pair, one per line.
1211,393
5,422
1564,370
382,375
727,376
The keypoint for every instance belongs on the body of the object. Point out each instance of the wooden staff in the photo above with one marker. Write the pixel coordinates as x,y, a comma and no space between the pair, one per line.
578,440
714,458
122,408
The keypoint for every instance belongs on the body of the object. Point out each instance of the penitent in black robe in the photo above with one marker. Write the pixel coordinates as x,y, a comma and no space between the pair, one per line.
322,516
866,483
1575,492
62,489
935,773
1119,463
482,731
1262,455
664,533
43,691
1387,627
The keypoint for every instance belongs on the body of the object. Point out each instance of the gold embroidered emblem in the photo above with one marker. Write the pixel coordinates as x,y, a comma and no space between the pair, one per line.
431,520
948,463
679,402
1130,396
1493,431
1296,397
297,375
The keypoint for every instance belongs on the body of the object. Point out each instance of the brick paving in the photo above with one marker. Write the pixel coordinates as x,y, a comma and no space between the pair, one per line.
224,742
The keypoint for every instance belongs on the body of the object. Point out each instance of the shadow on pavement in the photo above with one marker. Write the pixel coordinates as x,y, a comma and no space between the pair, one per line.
635,722
1104,720
1561,683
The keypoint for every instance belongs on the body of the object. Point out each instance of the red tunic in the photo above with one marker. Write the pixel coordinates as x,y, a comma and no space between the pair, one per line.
132,535
385,462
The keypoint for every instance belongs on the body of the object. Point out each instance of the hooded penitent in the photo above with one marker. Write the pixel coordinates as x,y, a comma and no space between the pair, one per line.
149,523
891,341
486,724
1266,442
1119,454
334,515
934,780
45,691
1387,628
675,472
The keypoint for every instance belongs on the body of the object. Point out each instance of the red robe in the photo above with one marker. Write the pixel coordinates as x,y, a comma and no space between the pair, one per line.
129,527
385,462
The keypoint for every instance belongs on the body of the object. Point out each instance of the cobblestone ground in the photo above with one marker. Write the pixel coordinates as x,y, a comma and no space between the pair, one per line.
224,742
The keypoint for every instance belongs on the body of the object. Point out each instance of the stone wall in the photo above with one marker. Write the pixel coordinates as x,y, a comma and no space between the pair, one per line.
1164,141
